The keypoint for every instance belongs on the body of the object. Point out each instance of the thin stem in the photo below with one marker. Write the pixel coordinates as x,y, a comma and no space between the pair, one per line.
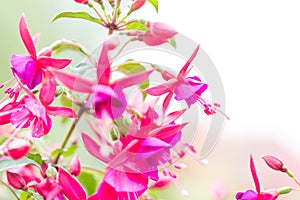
10,189
105,13
124,18
116,12
100,16
69,134
130,22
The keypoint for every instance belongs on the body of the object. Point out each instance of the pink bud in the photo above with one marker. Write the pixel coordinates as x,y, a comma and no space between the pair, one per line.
18,148
82,1
137,4
274,163
160,29
75,166
16,181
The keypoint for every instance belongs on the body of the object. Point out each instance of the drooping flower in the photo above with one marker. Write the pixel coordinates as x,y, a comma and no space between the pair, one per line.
137,4
16,181
274,163
189,89
258,194
108,99
30,69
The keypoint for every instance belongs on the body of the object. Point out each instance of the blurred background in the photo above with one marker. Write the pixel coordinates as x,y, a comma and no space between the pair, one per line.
255,46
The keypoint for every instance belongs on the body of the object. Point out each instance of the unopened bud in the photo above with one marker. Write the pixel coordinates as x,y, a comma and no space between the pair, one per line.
137,4
16,181
82,1
75,166
274,163
18,148
51,172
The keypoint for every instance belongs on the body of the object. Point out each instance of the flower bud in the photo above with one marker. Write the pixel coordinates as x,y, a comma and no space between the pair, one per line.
137,4
51,171
18,148
75,166
274,163
16,181
82,1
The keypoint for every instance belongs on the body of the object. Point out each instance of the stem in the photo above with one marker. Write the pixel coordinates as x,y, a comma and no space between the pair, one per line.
69,134
116,12
123,19
104,23
10,189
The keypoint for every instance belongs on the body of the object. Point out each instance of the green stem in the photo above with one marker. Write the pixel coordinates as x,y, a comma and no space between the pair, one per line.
10,189
116,12
69,134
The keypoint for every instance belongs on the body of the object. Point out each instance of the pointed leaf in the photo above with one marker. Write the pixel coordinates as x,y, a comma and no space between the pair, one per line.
77,15
7,164
154,3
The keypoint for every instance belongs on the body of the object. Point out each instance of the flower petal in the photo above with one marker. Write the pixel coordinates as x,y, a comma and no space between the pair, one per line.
57,63
33,75
133,79
26,37
168,131
153,40
254,175
19,63
61,112
47,92
183,71
74,82
70,186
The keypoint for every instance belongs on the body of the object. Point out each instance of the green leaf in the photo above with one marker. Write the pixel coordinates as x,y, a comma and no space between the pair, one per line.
35,157
70,151
139,26
6,164
154,3
172,41
77,15
56,152
88,181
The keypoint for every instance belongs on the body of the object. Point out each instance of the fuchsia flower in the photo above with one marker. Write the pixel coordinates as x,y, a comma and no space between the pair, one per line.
159,33
16,180
258,195
185,88
108,99
31,68
275,163
29,111
82,1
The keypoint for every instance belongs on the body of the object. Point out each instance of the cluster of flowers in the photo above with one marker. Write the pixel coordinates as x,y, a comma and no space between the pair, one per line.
141,142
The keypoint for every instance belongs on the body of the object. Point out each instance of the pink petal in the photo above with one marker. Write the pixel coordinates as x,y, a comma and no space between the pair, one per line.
167,102
254,175
74,82
70,186
47,92
57,63
93,148
168,131
173,116
61,112
183,71
26,37
103,68
137,4
133,79
40,127
32,75
18,148
162,89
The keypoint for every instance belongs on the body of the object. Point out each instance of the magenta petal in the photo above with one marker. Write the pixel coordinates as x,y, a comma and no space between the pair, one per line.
183,71
254,175
131,182
133,79
74,82
183,91
105,191
41,127
158,90
168,131
47,92
56,63
19,63
33,75
248,195
25,35
173,116
93,148
70,186
167,101
6,111
61,112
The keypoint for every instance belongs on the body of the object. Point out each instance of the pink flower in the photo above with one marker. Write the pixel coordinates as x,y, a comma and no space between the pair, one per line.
137,4
274,163
50,189
258,195
108,98
82,1
30,111
31,68
185,88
